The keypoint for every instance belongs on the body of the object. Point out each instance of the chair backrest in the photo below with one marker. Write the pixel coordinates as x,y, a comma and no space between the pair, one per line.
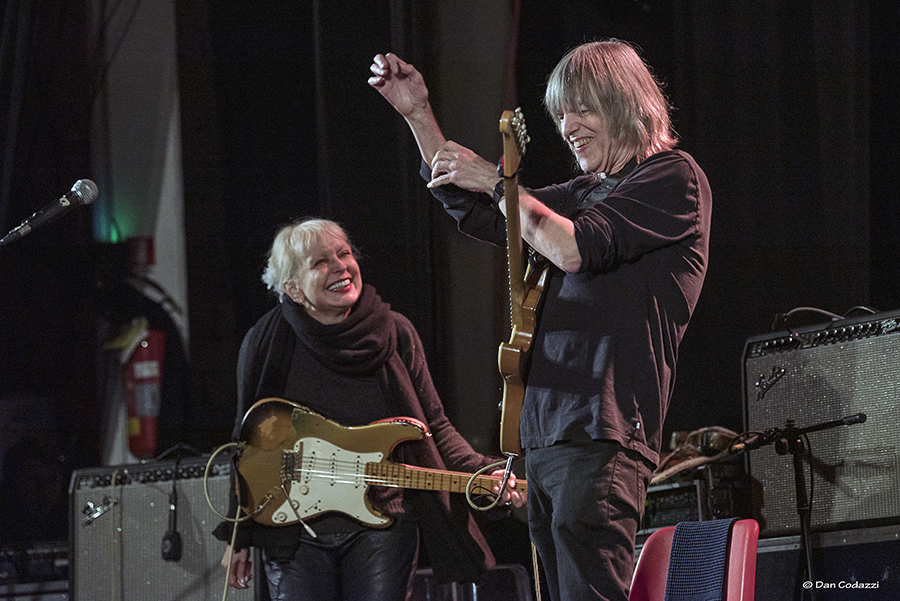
649,582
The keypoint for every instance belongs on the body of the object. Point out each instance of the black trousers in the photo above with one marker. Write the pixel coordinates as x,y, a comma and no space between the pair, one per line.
585,504
369,565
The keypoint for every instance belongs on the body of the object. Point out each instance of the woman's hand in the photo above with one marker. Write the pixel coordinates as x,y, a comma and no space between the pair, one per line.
510,494
241,567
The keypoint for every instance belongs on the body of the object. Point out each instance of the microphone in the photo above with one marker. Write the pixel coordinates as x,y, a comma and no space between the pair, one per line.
84,192
859,418
171,542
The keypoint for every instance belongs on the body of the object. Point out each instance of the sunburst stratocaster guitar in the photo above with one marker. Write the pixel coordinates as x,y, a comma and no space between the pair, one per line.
297,464
525,288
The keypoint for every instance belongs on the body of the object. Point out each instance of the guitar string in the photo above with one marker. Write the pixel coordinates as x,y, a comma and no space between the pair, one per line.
346,471
381,474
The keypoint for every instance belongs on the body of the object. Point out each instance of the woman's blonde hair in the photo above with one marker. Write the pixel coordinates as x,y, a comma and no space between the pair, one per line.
292,245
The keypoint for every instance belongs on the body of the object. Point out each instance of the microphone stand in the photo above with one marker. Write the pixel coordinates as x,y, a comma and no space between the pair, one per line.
790,440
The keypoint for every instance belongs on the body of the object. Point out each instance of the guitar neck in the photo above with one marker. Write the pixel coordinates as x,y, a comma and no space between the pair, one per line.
398,475
514,258
512,127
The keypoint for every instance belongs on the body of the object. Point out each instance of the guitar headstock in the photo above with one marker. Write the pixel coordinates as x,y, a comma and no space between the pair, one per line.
515,138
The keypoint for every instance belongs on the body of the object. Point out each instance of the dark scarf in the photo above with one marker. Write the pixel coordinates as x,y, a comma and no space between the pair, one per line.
358,345
364,343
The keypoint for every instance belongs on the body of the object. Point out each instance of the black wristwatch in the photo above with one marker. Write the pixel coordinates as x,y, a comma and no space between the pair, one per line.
499,192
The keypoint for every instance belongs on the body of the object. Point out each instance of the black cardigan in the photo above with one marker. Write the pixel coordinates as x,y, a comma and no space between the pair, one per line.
371,340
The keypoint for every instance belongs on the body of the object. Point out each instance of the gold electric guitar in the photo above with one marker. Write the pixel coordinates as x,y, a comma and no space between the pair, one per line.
297,464
525,290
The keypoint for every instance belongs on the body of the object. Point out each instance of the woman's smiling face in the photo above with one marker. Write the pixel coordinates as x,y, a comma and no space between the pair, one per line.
328,282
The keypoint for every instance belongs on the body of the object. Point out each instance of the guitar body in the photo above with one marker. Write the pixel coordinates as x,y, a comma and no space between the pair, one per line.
512,359
298,464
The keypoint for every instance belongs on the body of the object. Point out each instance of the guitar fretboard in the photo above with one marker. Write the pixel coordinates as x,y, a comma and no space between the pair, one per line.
405,476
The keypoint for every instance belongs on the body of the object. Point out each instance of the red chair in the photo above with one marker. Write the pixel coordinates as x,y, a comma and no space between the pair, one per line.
649,582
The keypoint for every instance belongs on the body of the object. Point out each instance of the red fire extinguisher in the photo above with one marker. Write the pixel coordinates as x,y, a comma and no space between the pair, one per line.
143,384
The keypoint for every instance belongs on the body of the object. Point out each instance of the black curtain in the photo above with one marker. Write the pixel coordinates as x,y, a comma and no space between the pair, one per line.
47,341
773,100
778,105
296,132
884,84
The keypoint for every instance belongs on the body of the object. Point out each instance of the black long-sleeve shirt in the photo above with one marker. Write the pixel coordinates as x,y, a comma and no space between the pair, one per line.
606,342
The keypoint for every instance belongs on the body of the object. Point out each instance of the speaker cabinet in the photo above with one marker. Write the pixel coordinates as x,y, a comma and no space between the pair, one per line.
506,582
813,376
858,564
119,517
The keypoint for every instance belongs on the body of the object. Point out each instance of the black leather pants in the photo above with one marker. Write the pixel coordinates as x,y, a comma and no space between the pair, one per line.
370,565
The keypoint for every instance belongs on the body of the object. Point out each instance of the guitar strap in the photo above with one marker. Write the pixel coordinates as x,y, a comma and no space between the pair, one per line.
604,186
536,260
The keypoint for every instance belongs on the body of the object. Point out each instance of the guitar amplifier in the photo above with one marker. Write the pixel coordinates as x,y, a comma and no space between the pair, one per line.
119,517
813,376
505,582
844,563
710,492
